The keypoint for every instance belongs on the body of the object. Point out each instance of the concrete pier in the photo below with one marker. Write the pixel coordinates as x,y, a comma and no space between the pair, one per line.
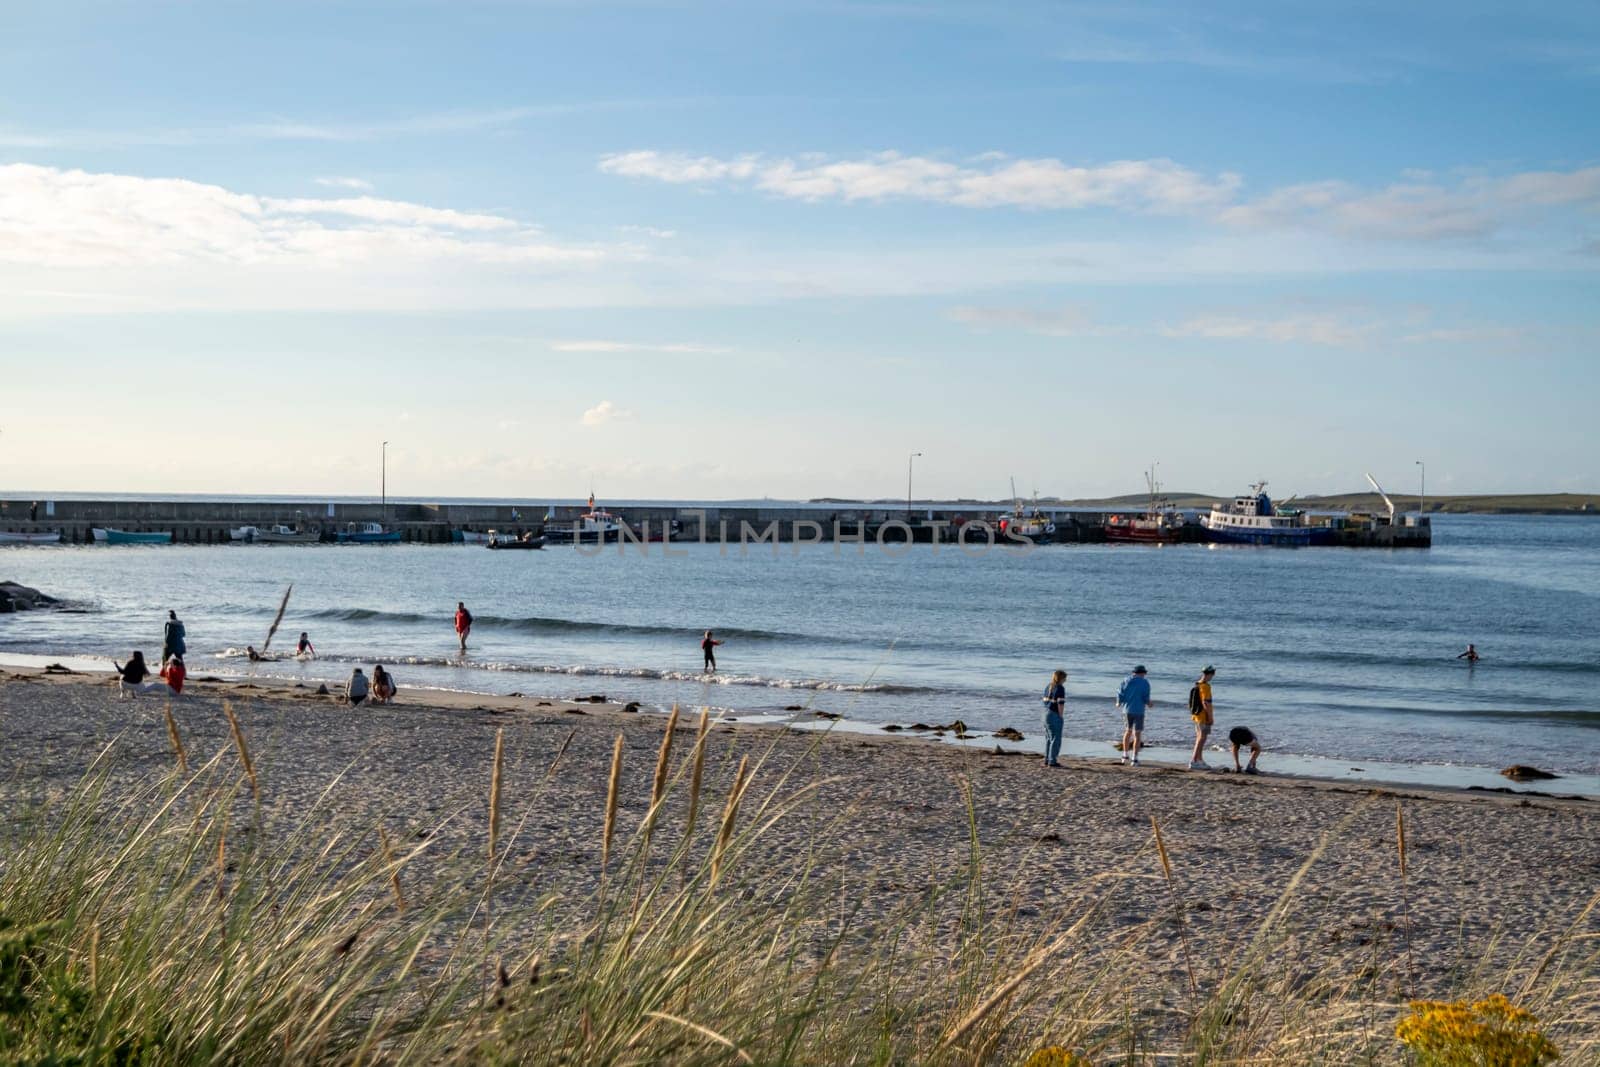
209,522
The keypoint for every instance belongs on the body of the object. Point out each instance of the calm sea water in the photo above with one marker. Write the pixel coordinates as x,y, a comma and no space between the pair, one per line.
1340,654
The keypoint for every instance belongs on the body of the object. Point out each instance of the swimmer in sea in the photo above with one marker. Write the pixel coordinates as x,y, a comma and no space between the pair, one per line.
1470,655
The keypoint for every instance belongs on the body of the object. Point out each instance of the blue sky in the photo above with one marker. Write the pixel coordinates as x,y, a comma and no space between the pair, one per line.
731,250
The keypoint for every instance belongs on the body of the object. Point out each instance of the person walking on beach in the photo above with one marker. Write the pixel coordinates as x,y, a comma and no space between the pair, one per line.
131,675
1055,704
463,623
173,672
355,690
708,645
1133,697
383,687
1200,711
172,638
33,511
1470,655
1243,737
304,648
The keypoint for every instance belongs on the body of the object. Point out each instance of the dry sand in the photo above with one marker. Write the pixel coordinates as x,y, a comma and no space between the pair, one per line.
1488,874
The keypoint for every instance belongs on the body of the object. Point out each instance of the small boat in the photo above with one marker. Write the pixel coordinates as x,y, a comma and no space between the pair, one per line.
1160,524
471,537
1252,519
287,535
9,537
244,534
499,540
367,533
595,526
132,537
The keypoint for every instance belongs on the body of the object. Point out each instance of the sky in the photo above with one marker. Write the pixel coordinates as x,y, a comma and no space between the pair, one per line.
731,250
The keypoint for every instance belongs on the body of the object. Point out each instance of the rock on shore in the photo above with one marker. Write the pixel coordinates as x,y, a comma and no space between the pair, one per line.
15,597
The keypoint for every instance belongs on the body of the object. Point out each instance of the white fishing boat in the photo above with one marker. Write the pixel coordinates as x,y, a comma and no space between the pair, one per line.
595,526
1252,519
31,537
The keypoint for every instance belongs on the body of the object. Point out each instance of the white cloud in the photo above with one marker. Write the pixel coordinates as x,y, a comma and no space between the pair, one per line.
604,412
1157,185
1312,328
336,182
607,347
1417,209
1057,322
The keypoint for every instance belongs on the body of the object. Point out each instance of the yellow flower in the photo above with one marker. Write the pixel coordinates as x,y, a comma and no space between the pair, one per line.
1056,1056
1492,1032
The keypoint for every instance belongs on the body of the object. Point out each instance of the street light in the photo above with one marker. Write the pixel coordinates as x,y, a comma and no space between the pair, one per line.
1422,486
383,480
909,461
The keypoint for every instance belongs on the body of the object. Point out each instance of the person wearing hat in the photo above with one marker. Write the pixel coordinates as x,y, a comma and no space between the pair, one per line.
1200,712
1133,697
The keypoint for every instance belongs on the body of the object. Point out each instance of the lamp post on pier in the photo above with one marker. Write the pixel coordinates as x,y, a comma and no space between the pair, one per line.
383,481
912,458
1422,486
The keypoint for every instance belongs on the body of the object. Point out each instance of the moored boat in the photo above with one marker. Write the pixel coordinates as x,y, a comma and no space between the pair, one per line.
595,526
132,537
30,537
499,540
1252,519
1160,524
471,537
1020,525
367,533
287,535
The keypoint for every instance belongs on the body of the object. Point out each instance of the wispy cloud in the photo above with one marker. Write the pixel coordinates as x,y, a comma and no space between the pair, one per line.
1329,329
73,218
1417,209
1052,322
604,412
615,347
1157,185
358,184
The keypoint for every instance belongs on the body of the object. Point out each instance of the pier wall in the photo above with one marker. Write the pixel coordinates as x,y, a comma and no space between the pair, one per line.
208,522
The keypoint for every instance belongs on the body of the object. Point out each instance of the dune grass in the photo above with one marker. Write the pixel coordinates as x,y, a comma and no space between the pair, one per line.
168,921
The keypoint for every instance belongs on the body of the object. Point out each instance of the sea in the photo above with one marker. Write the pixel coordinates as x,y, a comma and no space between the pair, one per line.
1343,661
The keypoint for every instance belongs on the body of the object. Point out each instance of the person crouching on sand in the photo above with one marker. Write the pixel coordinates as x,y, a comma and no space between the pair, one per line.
1243,737
173,672
383,687
131,675
1055,705
355,690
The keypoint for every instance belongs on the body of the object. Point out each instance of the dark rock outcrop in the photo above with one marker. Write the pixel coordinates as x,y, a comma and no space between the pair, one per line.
1518,772
1008,733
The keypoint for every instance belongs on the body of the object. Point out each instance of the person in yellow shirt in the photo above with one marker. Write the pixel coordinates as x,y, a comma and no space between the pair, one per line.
1200,711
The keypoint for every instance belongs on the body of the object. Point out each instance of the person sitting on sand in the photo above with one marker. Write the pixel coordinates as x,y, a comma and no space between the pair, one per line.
708,646
1243,737
1133,697
1055,704
383,687
174,673
1470,655
355,690
304,648
131,675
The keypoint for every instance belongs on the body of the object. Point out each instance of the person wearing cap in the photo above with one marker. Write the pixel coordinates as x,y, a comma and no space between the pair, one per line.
1200,712
1133,697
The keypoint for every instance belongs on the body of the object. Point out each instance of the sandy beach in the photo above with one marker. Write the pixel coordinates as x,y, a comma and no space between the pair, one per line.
1490,880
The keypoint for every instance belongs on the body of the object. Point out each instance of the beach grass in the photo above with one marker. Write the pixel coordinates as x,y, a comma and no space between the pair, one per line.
172,919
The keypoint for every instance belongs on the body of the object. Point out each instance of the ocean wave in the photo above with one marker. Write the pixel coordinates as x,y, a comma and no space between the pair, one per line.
543,624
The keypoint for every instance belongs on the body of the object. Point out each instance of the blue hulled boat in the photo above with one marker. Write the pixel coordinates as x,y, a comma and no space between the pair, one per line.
1252,520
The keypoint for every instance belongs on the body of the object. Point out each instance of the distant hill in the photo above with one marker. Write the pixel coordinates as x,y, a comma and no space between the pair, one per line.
1480,504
